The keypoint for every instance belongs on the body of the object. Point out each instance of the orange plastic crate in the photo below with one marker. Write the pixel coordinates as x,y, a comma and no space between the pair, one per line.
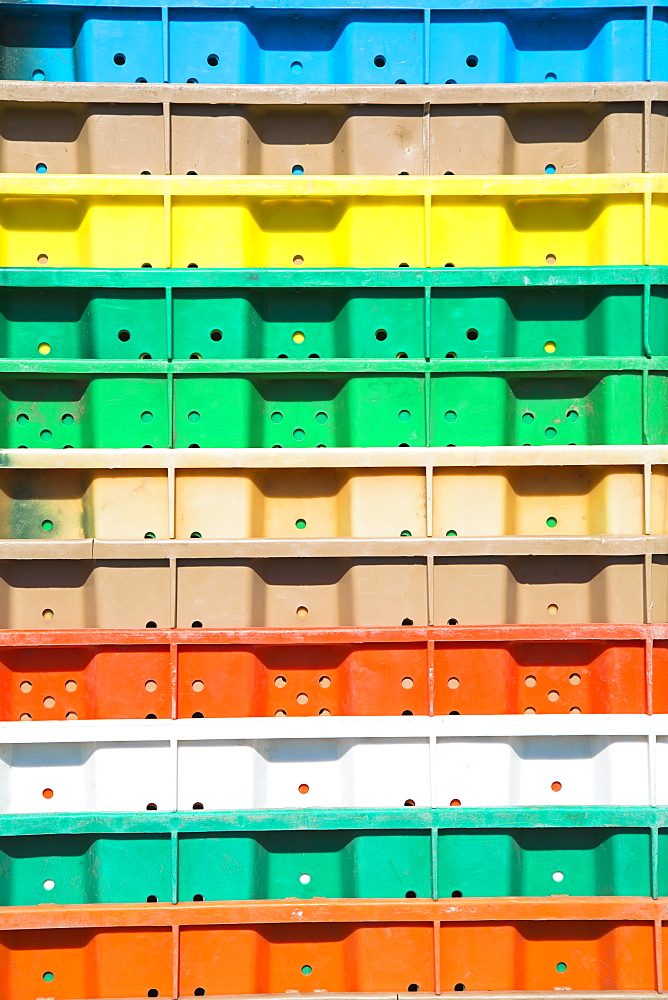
96,674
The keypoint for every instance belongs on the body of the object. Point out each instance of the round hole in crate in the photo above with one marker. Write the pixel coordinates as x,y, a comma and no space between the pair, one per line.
379,61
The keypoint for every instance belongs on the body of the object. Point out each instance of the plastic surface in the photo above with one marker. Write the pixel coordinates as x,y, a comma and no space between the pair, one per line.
210,674
447,853
305,315
84,221
295,130
339,582
123,494
329,45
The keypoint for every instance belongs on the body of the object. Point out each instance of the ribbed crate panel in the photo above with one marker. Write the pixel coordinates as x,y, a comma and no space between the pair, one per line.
304,315
125,494
91,221
512,129
337,582
69,404
444,853
209,673
330,44
374,762
224,949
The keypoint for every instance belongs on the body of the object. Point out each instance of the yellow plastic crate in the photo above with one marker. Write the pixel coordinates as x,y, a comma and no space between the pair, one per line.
95,221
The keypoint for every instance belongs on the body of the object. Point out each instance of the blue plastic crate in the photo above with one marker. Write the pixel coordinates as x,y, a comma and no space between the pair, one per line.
313,44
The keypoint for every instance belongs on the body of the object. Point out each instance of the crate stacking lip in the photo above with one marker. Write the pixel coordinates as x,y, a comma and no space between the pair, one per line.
450,853
311,130
453,670
241,948
332,44
462,315
192,222
148,494
332,582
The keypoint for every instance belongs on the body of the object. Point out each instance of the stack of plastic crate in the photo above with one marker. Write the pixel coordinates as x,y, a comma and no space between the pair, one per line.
315,675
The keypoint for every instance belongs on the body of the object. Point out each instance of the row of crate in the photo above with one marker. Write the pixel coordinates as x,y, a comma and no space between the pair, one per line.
172,129
390,948
388,222
463,315
116,859
358,493
305,764
314,583
557,669
332,44
65,404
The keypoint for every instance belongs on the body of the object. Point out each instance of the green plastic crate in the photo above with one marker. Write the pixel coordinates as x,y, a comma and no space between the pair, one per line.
302,315
204,404
116,858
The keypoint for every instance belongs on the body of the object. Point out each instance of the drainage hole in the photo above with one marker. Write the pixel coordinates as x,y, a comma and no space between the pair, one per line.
379,61
119,59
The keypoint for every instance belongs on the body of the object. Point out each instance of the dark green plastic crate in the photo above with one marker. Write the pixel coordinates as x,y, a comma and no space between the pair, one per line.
378,854
346,313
